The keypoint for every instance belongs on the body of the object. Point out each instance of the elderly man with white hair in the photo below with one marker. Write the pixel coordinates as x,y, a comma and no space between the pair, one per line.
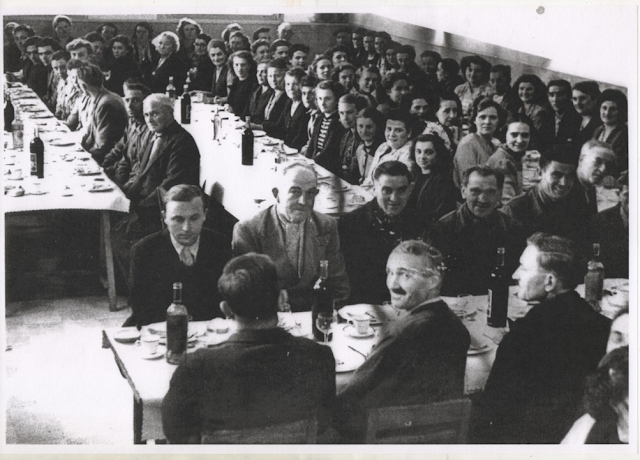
296,237
171,158
597,159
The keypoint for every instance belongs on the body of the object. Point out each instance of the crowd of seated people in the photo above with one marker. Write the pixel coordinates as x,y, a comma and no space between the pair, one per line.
441,145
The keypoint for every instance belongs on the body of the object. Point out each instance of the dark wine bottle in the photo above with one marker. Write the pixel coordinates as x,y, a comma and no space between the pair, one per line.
36,155
247,144
498,304
323,298
9,114
177,326
185,106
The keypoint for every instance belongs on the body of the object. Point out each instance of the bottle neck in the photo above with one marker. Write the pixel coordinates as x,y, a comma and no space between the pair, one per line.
500,258
177,295
324,269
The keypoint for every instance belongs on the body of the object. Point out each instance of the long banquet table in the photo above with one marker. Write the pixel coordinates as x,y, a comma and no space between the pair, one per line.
72,179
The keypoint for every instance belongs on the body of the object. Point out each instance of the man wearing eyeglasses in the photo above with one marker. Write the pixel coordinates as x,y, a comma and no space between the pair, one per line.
470,236
296,238
536,383
422,358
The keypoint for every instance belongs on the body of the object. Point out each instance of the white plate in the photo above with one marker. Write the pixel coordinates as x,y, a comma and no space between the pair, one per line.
219,324
259,133
347,360
160,352
478,351
62,143
352,332
349,311
127,335
101,188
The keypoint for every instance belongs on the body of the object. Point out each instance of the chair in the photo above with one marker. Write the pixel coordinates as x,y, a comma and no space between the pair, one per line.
445,422
298,432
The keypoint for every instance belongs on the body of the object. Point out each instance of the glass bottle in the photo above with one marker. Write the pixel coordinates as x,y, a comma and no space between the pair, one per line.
36,155
171,89
323,298
594,279
217,123
247,144
185,106
17,132
498,301
177,326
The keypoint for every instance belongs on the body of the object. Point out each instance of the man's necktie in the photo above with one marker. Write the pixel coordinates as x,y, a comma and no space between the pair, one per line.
186,257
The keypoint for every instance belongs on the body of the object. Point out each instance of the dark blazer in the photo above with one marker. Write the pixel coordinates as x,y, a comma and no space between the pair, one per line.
147,65
536,383
204,75
35,76
291,129
220,86
434,196
123,159
172,67
121,70
107,123
537,213
257,102
366,248
470,245
568,127
619,141
276,110
608,229
239,95
329,156
178,163
421,360
255,378
155,266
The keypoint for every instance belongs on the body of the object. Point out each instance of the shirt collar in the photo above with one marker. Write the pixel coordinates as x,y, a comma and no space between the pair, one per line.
193,248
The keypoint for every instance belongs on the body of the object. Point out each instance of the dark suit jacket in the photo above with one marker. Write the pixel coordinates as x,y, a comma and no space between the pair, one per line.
257,103
536,382
291,129
107,123
608,229
172,67
421,360
619,141
471,244
220,87
121,70
568,127
177,163
123,159
263,234
539,214
35,77
239,95
329,156
256,378
366,250
155,266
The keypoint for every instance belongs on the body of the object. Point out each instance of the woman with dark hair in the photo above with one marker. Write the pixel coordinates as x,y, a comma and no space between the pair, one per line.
370,126
612,105
532,94
187,31
345,74
169,64
606,401
144,52
477,147
121,64
238,41
476,71
393,88
447,124
213,78
508,157
434,193
321,67
199,56
585,95
108,30
243,67
448,75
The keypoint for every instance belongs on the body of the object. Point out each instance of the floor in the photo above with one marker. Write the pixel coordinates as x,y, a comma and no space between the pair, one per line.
61,386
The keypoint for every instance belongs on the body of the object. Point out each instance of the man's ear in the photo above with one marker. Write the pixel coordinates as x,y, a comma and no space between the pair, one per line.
550,282
226,310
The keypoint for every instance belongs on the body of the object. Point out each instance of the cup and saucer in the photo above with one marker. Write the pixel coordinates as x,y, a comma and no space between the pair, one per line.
150,348
359,327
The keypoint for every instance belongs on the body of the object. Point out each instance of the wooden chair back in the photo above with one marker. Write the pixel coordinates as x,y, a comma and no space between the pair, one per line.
298,432
445,422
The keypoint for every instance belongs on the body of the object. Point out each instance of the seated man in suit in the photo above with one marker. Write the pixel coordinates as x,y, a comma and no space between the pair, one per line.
423,357
470,236
183,252
565,115
296,237
171,157
369,234
108,116
124,158
547,207
260,376
610,228
346,166
536,383
597,160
